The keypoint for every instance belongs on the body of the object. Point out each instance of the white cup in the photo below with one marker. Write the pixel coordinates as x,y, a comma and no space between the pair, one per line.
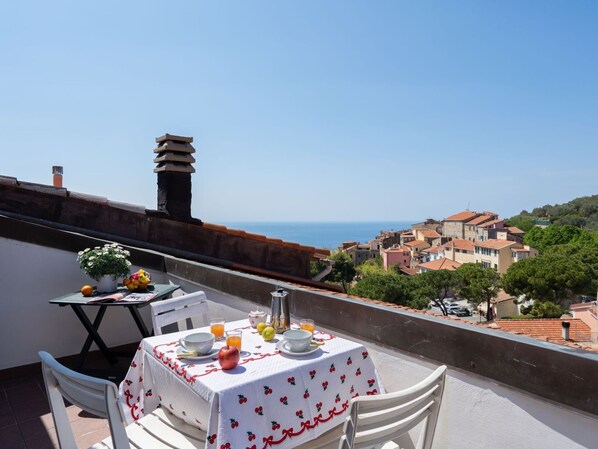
200,342
297,340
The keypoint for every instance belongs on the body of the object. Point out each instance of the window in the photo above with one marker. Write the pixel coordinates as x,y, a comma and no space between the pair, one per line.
486,264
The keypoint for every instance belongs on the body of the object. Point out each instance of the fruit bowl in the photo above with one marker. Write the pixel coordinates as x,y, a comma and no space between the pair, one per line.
137,281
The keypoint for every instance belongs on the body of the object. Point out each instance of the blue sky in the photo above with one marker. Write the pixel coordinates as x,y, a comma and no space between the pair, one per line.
311,110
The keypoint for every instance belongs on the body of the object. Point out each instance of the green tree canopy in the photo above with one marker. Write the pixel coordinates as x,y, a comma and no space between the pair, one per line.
343,270
385,287
541,239
478,284
546,309
581,212
371,267
557,276
435,286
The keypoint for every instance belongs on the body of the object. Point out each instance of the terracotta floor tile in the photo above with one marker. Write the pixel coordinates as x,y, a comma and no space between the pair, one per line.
7,417
25,411
10,438
91,438
40,424
25,393
44,440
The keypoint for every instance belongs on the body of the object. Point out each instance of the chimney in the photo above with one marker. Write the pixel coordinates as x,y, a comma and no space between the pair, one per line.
174,159
566,325
57,176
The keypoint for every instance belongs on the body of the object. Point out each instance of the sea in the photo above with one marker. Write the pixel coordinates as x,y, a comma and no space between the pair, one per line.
325,234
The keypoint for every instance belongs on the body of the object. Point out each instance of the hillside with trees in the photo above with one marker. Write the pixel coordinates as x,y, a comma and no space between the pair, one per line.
581,212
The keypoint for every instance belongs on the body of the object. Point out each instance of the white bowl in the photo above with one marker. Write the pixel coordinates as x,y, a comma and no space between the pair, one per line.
297,340
200,342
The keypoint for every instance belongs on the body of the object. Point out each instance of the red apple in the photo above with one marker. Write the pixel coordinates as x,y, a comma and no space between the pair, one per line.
228,357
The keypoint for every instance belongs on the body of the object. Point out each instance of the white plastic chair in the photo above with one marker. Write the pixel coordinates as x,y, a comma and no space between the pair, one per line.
160,429
383,420
181,310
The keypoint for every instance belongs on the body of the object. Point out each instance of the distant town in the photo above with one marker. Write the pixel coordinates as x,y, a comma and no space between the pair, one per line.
464,237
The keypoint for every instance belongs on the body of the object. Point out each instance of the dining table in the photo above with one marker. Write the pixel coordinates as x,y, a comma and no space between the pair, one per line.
77,301
272,398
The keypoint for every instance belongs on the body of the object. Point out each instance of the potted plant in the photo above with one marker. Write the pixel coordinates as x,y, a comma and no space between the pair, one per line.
105,264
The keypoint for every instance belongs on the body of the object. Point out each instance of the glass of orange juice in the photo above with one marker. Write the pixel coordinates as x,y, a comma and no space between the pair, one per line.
217,328
307,325
233,338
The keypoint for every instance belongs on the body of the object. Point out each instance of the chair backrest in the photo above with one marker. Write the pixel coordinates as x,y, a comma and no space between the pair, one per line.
386,417
184,309
96,396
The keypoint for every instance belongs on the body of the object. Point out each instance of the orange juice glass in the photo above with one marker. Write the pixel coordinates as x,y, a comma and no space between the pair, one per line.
307,325
234,338
217,328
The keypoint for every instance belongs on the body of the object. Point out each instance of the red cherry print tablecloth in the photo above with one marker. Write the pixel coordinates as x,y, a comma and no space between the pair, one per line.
269,400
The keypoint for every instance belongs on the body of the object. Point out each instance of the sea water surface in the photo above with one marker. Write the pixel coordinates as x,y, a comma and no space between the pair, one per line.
320,234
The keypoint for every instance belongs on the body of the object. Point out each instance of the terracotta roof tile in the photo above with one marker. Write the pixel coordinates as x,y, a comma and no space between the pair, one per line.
418,244
430,233
440,264
547,328
464,245
462,216
496,244
503,296
490,223
515,230
481,219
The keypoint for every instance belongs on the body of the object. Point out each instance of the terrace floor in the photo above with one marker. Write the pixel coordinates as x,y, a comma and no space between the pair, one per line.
26,420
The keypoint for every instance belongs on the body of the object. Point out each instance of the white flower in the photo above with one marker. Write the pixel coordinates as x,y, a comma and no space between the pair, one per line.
89,264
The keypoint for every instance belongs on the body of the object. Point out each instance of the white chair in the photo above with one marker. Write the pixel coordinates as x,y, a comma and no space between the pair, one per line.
183,309
160,429
383,420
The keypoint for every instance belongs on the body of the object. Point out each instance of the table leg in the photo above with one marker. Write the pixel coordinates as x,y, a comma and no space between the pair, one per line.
139,321
92,329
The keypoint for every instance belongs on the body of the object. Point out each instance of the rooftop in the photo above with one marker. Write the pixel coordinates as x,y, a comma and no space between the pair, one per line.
464,245
550,329
440,264
465,216
481,219
496,244
489,370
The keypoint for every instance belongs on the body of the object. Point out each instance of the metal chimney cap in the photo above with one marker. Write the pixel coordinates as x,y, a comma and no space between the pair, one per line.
57,169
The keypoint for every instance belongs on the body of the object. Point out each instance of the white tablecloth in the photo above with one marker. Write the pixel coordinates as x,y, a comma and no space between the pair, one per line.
269,399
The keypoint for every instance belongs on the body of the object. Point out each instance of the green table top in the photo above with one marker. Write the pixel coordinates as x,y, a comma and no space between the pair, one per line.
76,298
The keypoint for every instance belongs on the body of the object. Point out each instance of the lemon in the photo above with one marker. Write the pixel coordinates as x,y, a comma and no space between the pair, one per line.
260,327
268,333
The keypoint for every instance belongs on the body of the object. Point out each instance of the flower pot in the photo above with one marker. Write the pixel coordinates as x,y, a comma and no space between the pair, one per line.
107,284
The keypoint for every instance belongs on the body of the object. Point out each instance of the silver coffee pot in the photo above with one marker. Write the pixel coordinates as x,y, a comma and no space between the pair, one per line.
280,315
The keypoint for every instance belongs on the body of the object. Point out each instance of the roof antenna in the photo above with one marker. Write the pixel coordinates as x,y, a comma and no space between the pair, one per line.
467,206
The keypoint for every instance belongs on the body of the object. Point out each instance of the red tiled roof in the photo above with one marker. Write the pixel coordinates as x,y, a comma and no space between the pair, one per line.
547,328
496,244
490,223
418,243
461,244
440,264
409,271
515,230
480,219
462,216
430,233
503,296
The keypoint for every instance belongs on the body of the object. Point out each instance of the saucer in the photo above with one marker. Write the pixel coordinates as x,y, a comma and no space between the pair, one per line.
282,347
210,354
